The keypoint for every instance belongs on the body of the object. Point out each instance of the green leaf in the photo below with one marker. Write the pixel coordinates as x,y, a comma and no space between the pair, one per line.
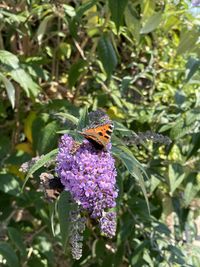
76,20
43,28
107,55
133,166
117,8
52,217
192,66
133,25
175,177
9,88
152,23
9,184
9,255
85,7
44,159
75,71
69,10
16,237
196,145
147,258
9,59
69,117
191,189
48,138
148,7
11,18
84,119
187,41
25,81
65,206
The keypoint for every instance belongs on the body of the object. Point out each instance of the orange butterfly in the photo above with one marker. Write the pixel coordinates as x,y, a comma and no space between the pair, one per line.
99,135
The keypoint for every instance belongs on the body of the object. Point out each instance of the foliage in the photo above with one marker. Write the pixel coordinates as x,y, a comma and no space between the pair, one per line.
139,60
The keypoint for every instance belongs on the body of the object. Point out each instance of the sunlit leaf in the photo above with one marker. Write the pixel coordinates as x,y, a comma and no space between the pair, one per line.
9,184
44,159
43,28
28,125
175,177
25,81
9,59
188,40
152,23
69,117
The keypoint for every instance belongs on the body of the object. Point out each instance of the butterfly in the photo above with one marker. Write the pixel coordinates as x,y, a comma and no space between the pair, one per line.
51,186
99,135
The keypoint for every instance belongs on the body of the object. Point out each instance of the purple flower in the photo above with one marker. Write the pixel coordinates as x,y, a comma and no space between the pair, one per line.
90,176
75,234
108,224
195,3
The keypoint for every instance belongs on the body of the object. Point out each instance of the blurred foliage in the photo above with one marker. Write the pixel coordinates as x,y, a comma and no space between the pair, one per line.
140,61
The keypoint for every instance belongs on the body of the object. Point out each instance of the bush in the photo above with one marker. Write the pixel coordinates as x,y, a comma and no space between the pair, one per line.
139,61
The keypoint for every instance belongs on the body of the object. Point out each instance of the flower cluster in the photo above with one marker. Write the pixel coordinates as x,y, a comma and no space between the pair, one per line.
98,117
75,236
25,167
196,3
141,137
90,176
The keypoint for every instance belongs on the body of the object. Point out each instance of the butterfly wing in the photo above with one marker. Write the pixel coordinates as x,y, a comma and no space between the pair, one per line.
100,134
52,187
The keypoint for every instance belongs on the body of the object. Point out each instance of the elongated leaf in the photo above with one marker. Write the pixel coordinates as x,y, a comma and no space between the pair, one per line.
69,10
187,41
84,119
9,88
13,18
133,166
74,23
175,177
64,207
48,137
152,23
134,26
84,7
191,189
16,237
75,71
117,8
26,82
49,156
107,55
9,59
9,254
9,184
69,117
193,65
43,28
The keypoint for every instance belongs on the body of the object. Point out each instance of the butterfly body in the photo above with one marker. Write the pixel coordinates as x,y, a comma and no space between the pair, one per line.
99,135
